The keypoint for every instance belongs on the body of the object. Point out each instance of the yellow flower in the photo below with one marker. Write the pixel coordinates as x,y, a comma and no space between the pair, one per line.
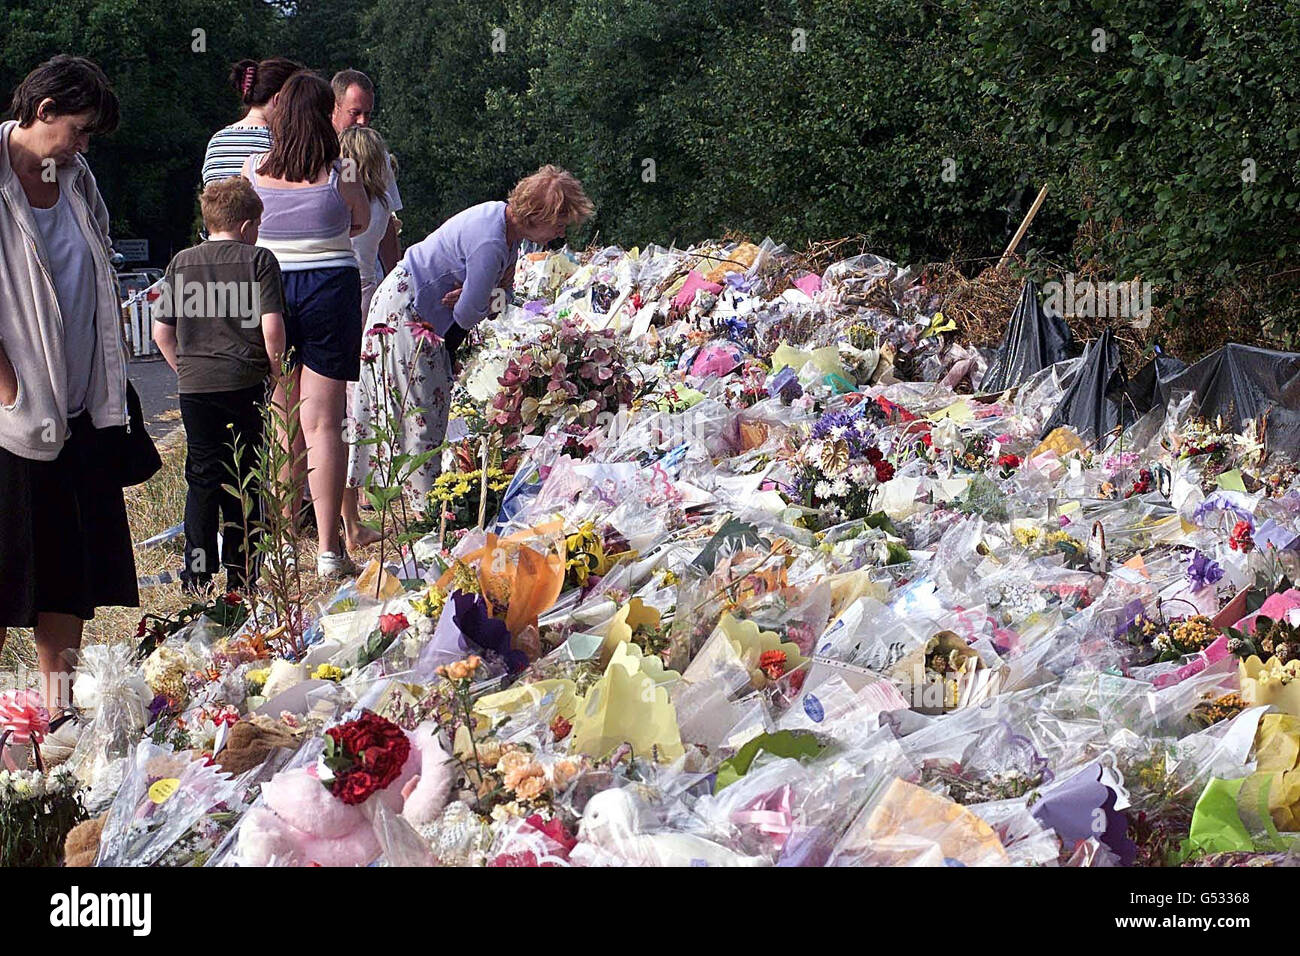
1026,537
257,678
327,672
431,603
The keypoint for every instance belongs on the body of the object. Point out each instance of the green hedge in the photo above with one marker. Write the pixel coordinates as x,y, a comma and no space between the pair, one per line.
1170,148
1143,136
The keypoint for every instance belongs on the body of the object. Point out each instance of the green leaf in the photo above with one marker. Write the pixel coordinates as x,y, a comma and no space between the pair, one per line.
783,743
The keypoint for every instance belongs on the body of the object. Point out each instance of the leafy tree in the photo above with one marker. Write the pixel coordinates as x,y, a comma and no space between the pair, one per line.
1171,129
448,105
1168,130
171,83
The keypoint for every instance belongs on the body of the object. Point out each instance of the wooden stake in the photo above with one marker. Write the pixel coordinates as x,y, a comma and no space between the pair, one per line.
1024,225
482,488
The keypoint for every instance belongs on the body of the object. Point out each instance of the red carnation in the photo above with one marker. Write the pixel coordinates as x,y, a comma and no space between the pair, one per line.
874,456
1009,460
797,679
1241,539
884,472
772,663
560,728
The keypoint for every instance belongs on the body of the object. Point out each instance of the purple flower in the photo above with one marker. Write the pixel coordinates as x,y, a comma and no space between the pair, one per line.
1231,501
1203,571
855,431
482,630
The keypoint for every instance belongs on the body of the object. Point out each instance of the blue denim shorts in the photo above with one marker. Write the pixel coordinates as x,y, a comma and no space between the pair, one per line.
323,321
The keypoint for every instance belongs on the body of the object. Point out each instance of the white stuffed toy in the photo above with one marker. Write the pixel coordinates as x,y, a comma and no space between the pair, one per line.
616,822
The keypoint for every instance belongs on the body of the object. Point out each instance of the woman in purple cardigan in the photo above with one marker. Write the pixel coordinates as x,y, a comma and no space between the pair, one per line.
442,288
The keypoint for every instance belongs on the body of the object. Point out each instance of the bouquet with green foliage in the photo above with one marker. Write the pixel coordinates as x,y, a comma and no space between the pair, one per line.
569,374
36,812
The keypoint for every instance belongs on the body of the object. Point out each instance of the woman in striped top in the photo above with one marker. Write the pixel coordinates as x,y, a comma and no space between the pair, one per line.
258,85
310,214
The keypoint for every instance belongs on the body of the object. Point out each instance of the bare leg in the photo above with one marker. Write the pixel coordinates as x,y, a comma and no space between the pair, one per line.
57,635
355,533
322,426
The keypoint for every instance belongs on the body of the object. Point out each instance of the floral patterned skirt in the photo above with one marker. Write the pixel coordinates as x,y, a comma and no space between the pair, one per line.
400,406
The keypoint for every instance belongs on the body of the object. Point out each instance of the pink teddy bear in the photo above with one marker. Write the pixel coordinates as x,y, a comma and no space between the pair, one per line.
303,824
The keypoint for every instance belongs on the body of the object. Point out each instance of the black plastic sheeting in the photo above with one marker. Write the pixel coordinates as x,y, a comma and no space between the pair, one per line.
1087,406
1034,340
1241,383
1149,386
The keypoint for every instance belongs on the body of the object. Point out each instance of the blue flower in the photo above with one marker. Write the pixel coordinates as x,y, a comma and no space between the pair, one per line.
853,427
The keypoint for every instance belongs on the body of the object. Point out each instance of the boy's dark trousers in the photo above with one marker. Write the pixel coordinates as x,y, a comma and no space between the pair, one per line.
214,422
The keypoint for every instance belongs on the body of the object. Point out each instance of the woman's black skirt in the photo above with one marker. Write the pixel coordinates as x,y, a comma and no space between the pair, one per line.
65,546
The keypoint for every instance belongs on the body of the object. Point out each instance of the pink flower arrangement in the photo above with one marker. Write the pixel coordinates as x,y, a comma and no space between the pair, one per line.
568,370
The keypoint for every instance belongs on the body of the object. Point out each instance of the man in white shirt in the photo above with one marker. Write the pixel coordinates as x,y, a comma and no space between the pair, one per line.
354,102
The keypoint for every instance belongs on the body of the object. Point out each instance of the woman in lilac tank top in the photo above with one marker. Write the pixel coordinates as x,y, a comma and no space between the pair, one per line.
310,214
424,308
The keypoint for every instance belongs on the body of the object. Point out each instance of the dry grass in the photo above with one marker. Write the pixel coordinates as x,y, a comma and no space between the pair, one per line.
982,307
154,507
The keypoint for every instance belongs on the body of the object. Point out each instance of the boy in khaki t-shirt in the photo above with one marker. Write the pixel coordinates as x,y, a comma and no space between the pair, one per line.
220,325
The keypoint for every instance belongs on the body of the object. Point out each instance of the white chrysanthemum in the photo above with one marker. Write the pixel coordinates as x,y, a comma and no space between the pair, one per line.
839,487
62,778
837,431
822,489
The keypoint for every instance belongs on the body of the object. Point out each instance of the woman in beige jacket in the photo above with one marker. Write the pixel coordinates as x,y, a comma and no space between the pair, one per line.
65,548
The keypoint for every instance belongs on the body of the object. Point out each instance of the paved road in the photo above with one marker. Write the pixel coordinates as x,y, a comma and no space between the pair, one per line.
156,383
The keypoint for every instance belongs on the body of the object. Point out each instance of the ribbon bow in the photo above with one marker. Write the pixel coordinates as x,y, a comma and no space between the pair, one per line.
23,718
770,814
